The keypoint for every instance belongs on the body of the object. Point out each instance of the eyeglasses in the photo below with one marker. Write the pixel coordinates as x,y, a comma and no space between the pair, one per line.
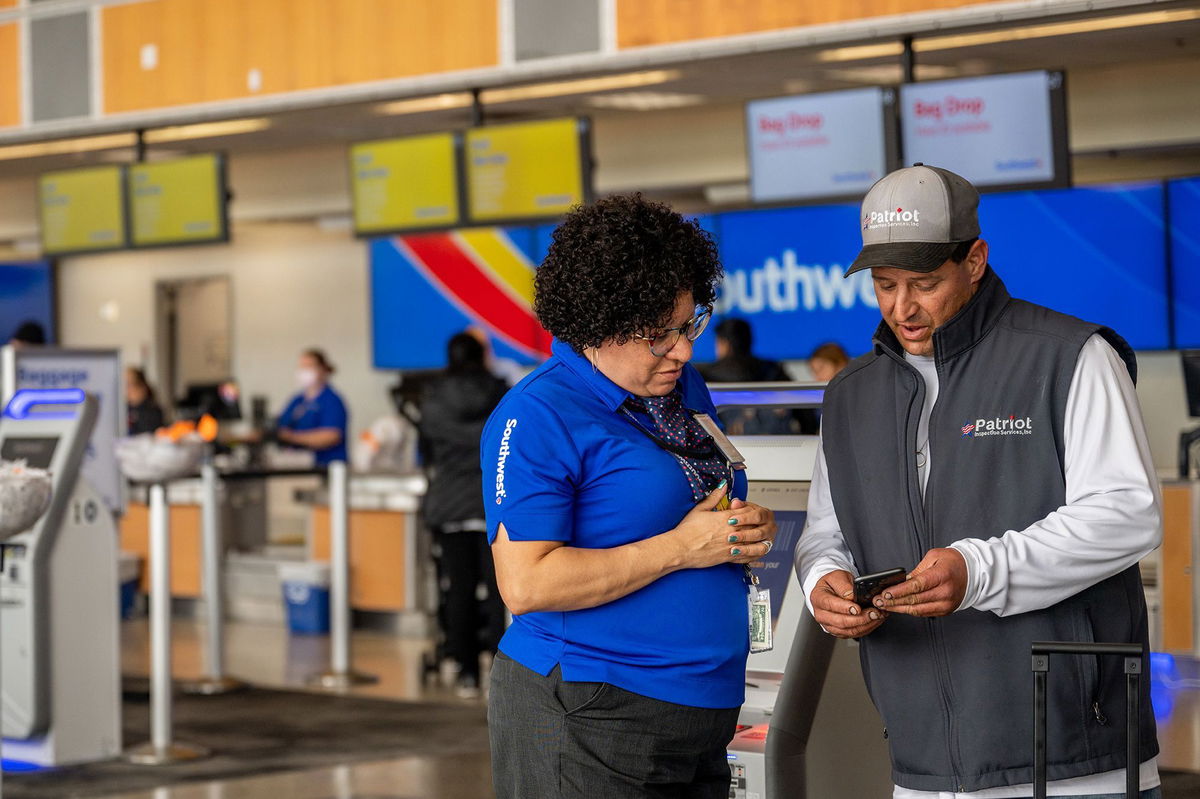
664,341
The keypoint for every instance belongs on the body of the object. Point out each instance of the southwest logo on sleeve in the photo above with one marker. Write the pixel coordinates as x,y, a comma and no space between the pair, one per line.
503,457
1012,426
897,218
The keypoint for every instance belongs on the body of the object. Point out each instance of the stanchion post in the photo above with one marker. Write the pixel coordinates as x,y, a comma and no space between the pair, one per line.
339,547
161,750
214,680
340,674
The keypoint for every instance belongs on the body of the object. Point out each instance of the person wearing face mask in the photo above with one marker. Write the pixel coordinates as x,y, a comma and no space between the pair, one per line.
616,545
315,419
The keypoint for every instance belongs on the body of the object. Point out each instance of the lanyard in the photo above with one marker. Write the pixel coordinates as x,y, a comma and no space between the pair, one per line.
675,449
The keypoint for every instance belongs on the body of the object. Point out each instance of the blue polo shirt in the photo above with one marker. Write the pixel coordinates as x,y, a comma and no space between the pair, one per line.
324,410
560,463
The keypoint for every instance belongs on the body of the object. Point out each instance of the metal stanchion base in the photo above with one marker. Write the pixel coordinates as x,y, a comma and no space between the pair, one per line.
213,686
177,752
341,680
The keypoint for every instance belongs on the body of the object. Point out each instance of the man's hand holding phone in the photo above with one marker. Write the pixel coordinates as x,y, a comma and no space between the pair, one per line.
836,611
936,586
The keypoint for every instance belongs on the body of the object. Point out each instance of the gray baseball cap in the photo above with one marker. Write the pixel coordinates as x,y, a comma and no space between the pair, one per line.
913,218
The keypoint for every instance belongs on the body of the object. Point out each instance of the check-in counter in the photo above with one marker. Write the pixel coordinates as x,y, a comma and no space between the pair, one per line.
1176,566
385,557
185,545
243,523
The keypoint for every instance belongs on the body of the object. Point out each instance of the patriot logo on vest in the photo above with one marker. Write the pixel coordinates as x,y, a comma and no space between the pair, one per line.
998,426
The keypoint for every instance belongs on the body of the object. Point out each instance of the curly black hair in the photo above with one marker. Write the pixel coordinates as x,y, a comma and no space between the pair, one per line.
616,268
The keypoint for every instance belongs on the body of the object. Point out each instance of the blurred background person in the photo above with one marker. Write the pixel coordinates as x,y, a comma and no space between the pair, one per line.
506,369
737,363
143,413
827,361
315,419
454,407
28,334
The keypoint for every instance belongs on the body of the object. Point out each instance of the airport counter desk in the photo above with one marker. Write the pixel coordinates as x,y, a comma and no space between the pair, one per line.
1171,571
385,553
385,541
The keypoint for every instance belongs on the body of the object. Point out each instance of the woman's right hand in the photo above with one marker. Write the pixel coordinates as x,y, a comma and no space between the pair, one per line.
735,535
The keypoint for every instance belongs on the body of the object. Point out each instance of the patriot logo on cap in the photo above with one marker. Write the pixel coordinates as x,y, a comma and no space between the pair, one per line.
914,217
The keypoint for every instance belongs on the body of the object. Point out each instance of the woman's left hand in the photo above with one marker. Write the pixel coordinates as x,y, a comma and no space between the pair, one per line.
753,535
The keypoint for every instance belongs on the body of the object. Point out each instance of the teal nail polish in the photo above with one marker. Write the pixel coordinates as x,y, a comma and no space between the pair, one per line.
733,539
732,521
721,485
736,551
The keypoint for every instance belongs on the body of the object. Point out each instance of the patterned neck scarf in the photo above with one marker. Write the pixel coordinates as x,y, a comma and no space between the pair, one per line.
675,427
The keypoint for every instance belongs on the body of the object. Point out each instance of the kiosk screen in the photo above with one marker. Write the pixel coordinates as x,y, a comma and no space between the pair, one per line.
776,569
36,451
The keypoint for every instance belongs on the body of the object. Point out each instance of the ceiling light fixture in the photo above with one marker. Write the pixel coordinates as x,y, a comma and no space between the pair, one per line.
1056,29
561,88
420,105
206,130
532,91
1046,30
645,101
86,144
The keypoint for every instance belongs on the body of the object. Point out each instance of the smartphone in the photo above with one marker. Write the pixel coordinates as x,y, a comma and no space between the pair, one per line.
867,586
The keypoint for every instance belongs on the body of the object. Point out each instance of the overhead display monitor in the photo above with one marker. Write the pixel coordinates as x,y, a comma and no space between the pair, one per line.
998,131
527,171
82,210
405,184
181,201
820,146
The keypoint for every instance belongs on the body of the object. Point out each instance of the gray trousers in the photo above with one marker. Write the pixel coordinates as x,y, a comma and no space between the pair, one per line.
561,740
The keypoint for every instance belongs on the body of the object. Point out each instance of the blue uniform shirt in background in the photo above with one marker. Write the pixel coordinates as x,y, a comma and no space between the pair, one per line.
561,463
324,410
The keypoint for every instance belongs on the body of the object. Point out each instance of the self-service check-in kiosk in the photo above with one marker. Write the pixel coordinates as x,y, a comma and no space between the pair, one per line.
59,656
807,728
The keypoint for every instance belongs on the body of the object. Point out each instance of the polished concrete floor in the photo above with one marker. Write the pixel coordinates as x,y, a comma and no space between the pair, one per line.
266,655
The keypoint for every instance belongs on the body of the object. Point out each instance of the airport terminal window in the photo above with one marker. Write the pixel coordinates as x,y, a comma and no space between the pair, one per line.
36,451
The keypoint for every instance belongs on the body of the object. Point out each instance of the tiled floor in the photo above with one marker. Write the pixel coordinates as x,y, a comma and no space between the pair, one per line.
266,655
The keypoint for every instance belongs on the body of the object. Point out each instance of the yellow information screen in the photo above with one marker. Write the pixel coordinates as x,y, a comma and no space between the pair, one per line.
532,169
82,210
401,184
177,202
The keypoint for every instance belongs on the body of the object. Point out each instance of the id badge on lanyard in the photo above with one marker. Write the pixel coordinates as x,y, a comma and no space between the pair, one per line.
758,601
762,637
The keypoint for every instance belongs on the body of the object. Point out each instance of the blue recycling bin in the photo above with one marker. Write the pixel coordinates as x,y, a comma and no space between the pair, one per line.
129,570
306,597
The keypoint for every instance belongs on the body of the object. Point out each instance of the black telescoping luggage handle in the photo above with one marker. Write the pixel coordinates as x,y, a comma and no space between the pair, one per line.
1133,653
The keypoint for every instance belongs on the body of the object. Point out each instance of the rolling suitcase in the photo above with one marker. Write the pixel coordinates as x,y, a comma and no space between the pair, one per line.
1132,655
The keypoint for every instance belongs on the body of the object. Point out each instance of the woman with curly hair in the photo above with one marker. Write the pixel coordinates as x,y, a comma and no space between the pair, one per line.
617,546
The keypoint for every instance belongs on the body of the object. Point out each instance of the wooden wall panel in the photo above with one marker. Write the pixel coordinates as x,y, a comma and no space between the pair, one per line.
10,75
648,22
206,48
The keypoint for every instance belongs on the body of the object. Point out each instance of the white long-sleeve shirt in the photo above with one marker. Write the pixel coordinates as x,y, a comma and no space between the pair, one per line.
1112,519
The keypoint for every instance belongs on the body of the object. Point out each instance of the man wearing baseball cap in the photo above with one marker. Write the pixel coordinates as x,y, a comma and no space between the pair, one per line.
995,450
